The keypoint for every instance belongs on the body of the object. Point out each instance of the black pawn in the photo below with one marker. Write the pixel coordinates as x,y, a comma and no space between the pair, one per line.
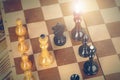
91,67
75,77
84,48
77,32
59,38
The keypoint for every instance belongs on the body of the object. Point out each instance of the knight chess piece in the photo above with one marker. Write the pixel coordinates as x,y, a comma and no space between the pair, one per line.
84,48
77,32
20,29
28,75
45,57
90,66
59,38
26,63
74,77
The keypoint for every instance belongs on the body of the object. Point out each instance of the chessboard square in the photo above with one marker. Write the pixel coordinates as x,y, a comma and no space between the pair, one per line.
114,29
53,10
67,44
52,22
97,78
105,48
117,2
65,56
48,2
69,22
11,18
106,3
116,43
39,67
67,70
114,76
49,74
66,8
89,5
99,73
36,45
110,64
16,53
32,4
18,64
111,14
12,33
90,18
36,29
100,30
12,5
33,15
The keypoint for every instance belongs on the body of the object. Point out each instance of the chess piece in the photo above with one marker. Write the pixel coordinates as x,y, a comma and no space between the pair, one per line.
84,48
77,32
28,75
26,63
90,66
75,77
45,58
20,29
59,38
22,46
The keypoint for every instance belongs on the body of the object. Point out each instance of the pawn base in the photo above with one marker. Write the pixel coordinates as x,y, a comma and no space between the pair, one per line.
90,68
59,41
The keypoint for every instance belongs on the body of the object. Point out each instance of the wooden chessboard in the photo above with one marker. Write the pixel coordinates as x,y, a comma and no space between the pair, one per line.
39,16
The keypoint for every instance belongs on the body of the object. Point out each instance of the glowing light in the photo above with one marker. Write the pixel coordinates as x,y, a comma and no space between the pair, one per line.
79,7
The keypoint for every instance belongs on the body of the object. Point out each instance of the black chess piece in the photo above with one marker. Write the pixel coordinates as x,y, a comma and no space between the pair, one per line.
84,48
90,66
59,38
74,77
77,32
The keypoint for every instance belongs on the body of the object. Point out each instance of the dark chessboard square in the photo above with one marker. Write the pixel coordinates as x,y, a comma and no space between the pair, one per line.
48,2
34,15
36,45
18,61
65,56
105,48
99,73
49,74
90,18
12,5
53,22
114,29
114,76
13,36
106,3
66,8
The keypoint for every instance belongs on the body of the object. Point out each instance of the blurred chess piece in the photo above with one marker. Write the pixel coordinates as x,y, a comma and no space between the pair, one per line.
84,48
20,29
59,38
28,75
26,63
90,66
74,77
22,46
45,58
77,32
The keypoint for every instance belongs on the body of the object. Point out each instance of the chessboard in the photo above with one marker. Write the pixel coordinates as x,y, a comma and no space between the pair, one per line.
102,19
